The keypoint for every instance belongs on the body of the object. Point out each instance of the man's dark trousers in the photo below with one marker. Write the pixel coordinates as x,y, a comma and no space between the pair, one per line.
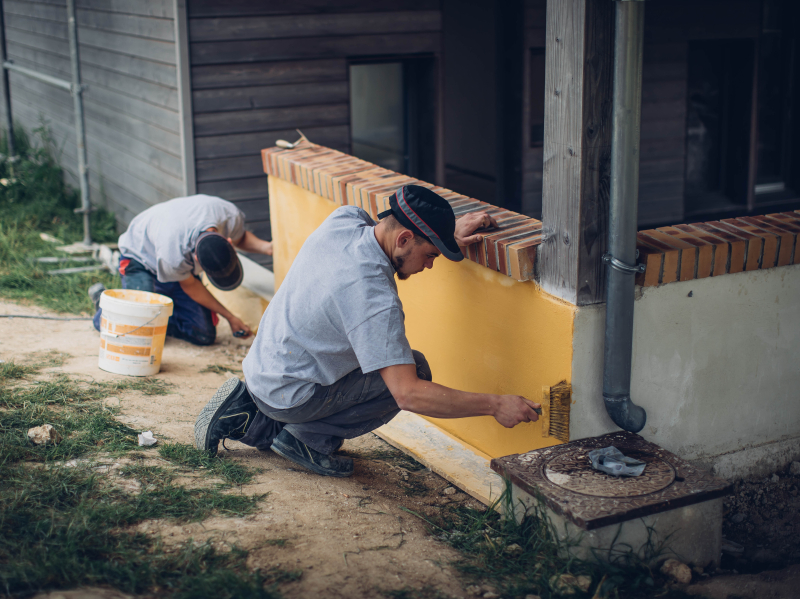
354,405
189,321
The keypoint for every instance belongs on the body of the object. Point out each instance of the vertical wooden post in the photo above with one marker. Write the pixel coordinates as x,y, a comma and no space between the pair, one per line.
579,71
183,76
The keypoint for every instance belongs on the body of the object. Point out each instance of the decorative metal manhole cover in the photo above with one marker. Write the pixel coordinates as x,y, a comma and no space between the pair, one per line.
573,470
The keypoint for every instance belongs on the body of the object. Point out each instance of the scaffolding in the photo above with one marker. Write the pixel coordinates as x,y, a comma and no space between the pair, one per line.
75,87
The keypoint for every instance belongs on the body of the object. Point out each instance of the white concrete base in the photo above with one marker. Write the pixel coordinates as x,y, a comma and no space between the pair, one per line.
692,534
461,464
715,366
755,462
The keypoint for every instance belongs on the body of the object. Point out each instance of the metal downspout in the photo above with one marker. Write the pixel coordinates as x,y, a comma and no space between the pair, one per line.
621,258
80,131
11,151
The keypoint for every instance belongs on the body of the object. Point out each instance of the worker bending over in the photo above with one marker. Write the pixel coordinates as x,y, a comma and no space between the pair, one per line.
165,249
331,360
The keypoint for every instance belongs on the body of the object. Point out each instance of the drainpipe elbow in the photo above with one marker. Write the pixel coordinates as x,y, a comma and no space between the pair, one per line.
625,414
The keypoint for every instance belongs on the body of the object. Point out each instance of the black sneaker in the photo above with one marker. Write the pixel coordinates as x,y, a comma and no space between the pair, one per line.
298,452
226,416
95,291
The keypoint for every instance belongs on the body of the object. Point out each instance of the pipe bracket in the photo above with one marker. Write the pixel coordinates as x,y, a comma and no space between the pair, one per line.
622,267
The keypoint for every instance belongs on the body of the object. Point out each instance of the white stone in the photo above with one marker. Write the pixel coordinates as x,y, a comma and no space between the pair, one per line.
569,584
794,469
450,491
146,439
678,571
44,435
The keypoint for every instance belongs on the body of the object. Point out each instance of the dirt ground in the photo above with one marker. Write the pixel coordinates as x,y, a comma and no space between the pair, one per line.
350,537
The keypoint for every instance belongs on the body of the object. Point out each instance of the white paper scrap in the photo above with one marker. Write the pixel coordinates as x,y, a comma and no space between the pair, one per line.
146,439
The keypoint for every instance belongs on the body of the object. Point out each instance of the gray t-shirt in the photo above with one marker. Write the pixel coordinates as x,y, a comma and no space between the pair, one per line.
163,237
336,310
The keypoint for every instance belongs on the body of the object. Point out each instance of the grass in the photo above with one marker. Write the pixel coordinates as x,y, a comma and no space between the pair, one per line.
525,558
189,457
67,519
36,200
220,369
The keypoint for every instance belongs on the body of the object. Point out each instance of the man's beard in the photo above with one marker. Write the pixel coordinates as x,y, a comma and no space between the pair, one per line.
398,263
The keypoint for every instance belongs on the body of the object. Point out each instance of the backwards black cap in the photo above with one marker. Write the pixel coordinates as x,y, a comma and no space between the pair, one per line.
219,260
428,214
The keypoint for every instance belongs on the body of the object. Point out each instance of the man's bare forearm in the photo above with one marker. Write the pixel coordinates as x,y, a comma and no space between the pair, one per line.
251,243
437,401
197,291
430,399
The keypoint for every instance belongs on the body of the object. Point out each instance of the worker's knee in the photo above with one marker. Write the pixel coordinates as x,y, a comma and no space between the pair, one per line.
203,337
423,369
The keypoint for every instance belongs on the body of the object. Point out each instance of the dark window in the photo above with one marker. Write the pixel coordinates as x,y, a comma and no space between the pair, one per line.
392,115
718,119
774,101
536,97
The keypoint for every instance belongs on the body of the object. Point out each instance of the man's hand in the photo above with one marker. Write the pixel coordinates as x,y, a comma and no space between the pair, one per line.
239,325
510,410
468,224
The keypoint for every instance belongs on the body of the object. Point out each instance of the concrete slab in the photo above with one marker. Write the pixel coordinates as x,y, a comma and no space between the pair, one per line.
456,461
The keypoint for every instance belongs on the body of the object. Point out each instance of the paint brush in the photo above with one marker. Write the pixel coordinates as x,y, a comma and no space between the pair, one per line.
557,401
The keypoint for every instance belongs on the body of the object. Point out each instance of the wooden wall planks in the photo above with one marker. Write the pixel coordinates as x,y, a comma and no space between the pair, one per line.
259,70
128,62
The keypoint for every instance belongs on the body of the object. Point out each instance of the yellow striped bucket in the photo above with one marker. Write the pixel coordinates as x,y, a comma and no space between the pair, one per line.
132,331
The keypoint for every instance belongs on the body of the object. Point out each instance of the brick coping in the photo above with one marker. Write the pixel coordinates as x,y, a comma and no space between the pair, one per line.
346,180
671,254
731,245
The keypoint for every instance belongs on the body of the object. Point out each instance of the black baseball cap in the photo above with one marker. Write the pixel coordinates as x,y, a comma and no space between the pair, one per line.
427,214
219,260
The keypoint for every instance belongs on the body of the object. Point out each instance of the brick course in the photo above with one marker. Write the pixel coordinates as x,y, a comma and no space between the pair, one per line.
678,253
346,180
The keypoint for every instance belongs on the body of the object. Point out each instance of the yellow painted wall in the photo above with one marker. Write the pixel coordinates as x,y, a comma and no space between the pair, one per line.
480,330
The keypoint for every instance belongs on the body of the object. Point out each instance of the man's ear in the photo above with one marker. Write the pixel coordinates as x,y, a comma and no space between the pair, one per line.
404,238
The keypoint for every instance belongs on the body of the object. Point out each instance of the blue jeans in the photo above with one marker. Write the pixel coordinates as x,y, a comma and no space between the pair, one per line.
354,405
189,321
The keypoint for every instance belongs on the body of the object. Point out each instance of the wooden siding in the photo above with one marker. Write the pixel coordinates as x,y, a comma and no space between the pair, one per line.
127,51
260,70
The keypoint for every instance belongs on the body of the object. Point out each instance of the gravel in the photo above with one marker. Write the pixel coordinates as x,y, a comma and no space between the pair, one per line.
764,517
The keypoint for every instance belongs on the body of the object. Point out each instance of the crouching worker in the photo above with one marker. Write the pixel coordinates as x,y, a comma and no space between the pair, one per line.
165,249
331,360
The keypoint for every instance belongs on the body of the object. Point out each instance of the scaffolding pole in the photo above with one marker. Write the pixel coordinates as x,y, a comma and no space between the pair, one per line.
75,87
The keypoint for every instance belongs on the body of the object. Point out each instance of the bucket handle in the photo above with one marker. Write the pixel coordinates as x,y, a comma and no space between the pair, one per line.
117,336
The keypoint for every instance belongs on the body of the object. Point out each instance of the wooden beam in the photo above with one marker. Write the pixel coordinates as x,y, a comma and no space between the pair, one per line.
183,76
579,67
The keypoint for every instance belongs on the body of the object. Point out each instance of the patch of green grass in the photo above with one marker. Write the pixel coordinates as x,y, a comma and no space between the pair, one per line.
220,369
393,457
64,527
426,592
36,200
189,457
523,558
64,390
66,514
11,370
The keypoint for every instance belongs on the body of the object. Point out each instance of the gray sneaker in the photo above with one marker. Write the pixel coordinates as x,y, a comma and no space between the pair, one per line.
227,416
298,452
95,291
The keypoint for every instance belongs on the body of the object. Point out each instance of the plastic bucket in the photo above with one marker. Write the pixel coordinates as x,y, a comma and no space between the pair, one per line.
132,330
